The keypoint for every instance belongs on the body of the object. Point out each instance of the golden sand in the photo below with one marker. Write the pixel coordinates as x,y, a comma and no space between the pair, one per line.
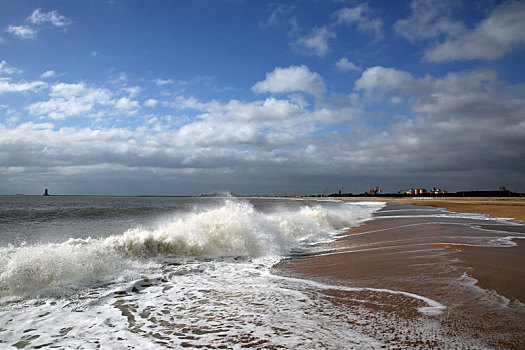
417,256
503,207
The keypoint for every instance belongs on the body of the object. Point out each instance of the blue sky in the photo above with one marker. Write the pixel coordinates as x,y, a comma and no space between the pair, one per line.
189,97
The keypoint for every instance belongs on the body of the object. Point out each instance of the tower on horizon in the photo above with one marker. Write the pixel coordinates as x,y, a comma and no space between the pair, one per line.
46,193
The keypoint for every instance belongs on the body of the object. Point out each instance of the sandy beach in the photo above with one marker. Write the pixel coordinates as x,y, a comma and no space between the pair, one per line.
481,284
503,207
500,207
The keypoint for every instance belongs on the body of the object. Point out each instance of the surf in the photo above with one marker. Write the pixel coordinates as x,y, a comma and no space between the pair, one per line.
232,228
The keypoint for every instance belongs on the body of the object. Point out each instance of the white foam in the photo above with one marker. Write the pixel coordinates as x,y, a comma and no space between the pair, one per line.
231,229
453,215
237,304
433,307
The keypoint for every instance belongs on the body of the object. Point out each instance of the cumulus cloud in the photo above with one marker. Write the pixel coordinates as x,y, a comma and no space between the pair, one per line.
8,70
501,32
151,102
24,32
126,104
48,74
316,42
40,20
212,133
345,65
52,17
6,85
429,19
291,79
449,128
161,82
278,13
458,122
467,101
381,77
492,38
71,100
360,16
132,90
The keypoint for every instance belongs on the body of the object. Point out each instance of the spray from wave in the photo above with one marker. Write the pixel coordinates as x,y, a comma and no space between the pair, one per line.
232,229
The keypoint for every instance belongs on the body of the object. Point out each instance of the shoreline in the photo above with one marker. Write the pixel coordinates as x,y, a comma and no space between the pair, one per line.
502,207
417,256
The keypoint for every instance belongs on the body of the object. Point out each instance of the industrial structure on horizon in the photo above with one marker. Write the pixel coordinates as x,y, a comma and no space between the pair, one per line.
434,190
423,192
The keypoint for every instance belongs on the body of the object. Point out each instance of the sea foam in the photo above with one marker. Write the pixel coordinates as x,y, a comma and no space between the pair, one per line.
232,229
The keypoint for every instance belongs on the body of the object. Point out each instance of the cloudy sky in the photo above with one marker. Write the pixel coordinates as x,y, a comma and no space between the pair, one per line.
307,96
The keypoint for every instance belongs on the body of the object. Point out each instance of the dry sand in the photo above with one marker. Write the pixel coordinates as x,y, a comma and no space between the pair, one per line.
482,287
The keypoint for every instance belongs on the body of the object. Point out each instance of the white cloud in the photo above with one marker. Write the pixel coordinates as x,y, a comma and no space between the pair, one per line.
474,97
492,38
360,15
317,41
291,79
390,78
7,86
132,90
151,102
24,32
271,109
126,104
501,32
48,74
279,13
41,18
5,69
71,100
268,123
457,125
429,19
345,65
162,82
213,133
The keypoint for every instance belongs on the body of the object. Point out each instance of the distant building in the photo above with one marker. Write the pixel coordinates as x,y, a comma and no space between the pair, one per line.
420,191
46,193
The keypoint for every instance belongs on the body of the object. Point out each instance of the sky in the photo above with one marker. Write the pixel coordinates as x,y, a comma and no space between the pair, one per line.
258,97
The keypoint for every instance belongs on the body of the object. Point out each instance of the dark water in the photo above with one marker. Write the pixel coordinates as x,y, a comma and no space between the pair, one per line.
39,219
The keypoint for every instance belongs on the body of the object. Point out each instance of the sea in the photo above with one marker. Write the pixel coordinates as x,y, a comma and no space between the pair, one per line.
163,272
90,272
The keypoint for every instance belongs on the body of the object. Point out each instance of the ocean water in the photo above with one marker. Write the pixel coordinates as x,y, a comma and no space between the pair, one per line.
172,273
148,273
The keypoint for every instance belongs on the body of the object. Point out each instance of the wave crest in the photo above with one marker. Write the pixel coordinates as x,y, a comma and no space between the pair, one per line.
233,229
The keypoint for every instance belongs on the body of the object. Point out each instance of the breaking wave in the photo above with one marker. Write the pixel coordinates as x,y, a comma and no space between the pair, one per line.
232,229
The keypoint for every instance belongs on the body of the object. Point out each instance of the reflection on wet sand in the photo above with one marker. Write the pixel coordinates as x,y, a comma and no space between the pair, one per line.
471,264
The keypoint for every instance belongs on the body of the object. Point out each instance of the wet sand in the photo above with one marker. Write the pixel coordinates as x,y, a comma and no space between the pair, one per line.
500,207
498,269
483,288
